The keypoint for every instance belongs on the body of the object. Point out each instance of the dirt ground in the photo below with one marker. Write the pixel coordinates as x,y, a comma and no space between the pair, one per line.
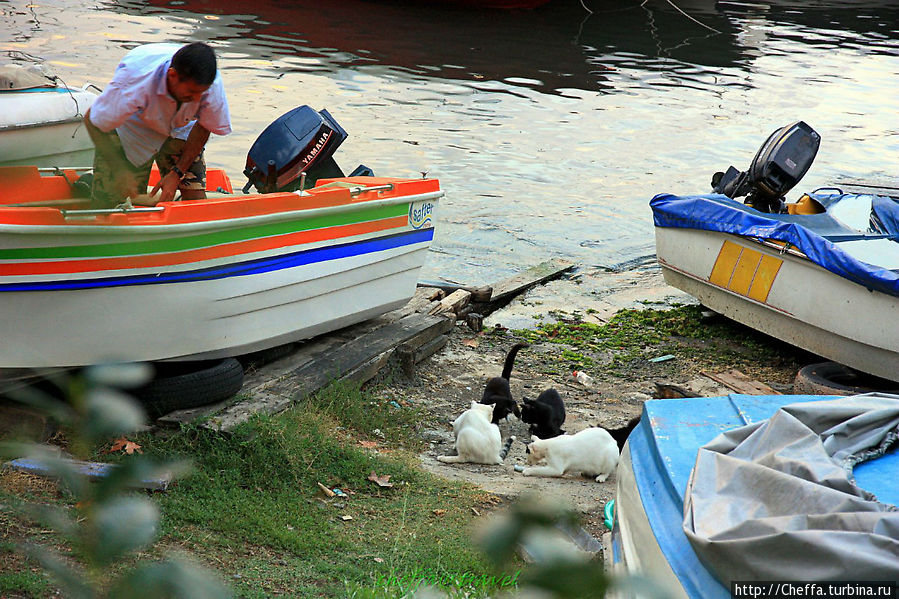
445,385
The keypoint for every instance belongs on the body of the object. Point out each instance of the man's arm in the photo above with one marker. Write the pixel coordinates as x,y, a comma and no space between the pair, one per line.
196,141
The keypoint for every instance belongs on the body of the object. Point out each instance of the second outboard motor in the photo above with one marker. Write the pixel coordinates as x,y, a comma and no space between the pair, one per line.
778,166
302,141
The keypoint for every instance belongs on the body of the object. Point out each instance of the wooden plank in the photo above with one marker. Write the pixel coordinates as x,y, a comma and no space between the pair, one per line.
369,369
258,379
478,294
408,354
506,290
739,382
422,301
353,358
430,348
454,302
94,471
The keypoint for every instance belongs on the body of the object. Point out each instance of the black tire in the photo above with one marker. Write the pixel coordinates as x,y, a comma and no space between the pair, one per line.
183,385
832,378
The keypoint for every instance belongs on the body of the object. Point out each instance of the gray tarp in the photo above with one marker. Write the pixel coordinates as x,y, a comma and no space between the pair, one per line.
13,77
776,500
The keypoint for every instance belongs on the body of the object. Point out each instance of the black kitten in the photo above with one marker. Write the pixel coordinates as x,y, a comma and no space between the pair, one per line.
497,391
621,434
546,414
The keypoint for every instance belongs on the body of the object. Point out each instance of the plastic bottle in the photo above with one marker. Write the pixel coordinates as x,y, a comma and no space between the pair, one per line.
582,377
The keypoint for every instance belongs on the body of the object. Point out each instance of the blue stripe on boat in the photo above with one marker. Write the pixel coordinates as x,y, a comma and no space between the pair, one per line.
250,267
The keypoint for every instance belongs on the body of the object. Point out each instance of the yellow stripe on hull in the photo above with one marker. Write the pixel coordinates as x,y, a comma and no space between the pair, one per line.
745,271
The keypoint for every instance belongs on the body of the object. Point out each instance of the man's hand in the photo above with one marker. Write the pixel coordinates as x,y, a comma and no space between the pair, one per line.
168,185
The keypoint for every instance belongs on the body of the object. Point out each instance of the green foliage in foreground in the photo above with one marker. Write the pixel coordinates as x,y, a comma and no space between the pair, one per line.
107,523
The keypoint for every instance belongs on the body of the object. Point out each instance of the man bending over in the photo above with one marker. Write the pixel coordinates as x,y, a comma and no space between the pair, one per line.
161,105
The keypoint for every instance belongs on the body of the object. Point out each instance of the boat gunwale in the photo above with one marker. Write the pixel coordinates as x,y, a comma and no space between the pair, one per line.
75,119
161,228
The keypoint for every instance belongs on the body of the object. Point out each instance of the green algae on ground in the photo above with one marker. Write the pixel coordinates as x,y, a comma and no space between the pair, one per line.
634,336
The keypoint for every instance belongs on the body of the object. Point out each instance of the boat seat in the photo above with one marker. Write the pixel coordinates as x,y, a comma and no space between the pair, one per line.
805,205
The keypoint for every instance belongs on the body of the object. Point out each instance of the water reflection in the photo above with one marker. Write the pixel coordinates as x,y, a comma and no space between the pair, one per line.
550,129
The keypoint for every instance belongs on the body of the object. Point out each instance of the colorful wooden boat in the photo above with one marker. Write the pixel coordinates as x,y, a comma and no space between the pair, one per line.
200,279
41,122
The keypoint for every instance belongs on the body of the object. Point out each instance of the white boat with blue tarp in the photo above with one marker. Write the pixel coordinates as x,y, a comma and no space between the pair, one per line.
821,273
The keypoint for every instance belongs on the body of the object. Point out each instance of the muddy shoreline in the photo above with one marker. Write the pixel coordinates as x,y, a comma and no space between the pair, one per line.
445,384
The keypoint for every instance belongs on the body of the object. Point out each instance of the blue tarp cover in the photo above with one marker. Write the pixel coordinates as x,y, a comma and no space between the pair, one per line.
815,235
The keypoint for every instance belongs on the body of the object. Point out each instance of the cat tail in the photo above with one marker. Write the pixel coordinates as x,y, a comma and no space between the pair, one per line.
506,447
510,359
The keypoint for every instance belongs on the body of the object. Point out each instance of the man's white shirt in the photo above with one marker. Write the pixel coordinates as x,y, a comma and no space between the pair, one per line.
136,103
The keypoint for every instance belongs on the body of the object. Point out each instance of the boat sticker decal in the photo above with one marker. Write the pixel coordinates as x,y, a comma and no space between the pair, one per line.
249,267
230,250
745,271
724,265
189,242
764,278
420,214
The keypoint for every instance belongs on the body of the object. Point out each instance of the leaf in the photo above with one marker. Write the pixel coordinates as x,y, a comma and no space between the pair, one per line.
470,342
123,444
368,444
382,480
110,413
172,578
122,525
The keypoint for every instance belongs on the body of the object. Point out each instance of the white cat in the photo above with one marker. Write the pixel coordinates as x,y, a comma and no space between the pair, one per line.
477,439
592,451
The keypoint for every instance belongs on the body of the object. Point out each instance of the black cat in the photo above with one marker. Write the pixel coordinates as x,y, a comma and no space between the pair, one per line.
621,434
546,414
497,391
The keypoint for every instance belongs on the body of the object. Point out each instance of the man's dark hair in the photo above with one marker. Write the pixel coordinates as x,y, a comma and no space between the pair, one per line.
195,61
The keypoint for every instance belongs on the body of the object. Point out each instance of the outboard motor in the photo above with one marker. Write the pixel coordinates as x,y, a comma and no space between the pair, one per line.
303,141
778,166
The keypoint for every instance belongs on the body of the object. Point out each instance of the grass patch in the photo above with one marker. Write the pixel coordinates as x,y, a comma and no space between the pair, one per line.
28,584
252,507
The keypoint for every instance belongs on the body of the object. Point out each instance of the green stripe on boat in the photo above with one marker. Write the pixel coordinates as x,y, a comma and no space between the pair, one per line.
179,244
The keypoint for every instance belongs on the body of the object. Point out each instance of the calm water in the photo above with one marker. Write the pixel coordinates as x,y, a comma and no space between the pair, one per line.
550,130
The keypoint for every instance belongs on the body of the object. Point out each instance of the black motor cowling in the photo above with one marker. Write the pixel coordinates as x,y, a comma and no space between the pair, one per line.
301,141
778,166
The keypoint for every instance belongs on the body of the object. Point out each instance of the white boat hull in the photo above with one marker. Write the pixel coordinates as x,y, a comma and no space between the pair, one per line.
785,296
44,128
208,319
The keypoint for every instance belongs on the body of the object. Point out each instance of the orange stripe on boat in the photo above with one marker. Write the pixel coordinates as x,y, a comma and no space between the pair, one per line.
210,253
